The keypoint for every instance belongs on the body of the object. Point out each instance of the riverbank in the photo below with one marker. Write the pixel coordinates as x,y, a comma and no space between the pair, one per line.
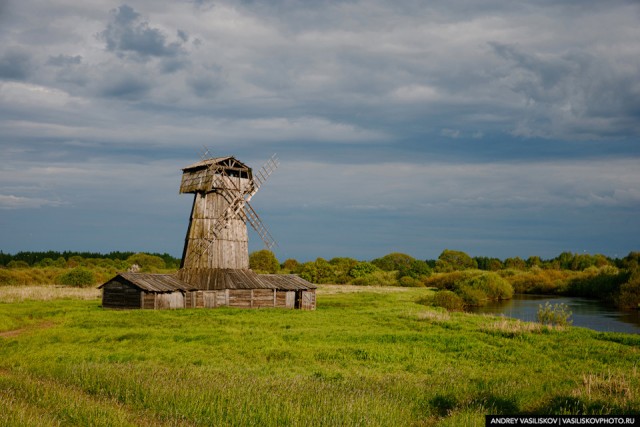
586,313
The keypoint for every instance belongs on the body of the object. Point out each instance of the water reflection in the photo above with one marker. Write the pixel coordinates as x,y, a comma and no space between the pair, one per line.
586,313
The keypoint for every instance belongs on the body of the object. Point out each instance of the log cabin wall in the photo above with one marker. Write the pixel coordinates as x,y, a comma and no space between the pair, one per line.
119,294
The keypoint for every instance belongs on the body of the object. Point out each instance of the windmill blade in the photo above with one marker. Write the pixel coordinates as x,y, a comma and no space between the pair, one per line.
258,226
260,176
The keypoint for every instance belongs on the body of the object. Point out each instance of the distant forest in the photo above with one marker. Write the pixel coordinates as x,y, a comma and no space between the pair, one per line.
448,260
50,258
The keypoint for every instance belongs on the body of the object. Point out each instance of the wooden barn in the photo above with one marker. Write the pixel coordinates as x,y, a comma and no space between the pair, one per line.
227,288
214,271
139,290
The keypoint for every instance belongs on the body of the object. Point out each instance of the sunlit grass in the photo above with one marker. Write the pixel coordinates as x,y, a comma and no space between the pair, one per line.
371,356
44,293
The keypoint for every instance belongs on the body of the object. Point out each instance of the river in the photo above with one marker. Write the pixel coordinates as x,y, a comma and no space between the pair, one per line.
586,313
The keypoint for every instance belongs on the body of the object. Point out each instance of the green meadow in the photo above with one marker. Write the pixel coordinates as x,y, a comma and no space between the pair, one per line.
371,356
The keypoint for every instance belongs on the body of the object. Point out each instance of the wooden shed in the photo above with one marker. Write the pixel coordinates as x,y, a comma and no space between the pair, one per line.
246,289
140,290
212,288
292,291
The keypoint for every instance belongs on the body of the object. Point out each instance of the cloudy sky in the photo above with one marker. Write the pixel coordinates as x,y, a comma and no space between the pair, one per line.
497,128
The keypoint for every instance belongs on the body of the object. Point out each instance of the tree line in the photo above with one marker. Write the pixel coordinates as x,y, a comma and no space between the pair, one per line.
471,281
62,259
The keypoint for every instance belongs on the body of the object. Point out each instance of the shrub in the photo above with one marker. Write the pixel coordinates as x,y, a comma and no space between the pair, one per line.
17,264
491,284
410,282
377,278
629,297
472,297
538,281
448,300
79,276
595,282
556,314
448,280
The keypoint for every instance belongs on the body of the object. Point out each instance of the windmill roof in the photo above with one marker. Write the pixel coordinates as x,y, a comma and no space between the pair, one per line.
212,161
153,282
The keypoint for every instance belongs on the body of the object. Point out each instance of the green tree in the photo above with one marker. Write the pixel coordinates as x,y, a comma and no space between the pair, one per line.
393,261
489,264
534,261
148,263
264,261
17,264
416,269
564,260
362,269
515,263
456,260
342,266
291,265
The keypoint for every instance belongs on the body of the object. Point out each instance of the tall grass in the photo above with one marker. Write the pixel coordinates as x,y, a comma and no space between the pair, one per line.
362,358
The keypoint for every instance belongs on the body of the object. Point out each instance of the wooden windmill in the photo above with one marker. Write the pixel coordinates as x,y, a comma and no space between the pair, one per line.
217,234
214,271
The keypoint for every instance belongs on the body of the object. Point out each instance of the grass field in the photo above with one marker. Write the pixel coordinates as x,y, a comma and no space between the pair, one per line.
371,357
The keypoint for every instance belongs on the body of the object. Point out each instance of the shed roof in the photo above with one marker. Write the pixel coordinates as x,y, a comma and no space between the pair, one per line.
220,278
287,282
153,282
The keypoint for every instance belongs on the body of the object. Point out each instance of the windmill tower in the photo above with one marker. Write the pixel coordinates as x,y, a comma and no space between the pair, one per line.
217,234
214,271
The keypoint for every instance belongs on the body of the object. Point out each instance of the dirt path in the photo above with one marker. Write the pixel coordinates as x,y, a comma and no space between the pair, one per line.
17,332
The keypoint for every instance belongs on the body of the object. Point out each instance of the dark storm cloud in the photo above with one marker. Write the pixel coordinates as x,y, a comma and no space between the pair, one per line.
595,98
15,65
127,87
127,33
64,60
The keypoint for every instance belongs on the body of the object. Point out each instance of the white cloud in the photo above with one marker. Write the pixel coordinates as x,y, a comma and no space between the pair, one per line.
9,201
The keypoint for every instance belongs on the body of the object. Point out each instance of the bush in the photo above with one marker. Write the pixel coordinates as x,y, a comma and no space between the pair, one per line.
491,284
377,278
448,300
79,276
538,281
601,283
410,282
17,264
448,280
472,297
629,297
556,314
